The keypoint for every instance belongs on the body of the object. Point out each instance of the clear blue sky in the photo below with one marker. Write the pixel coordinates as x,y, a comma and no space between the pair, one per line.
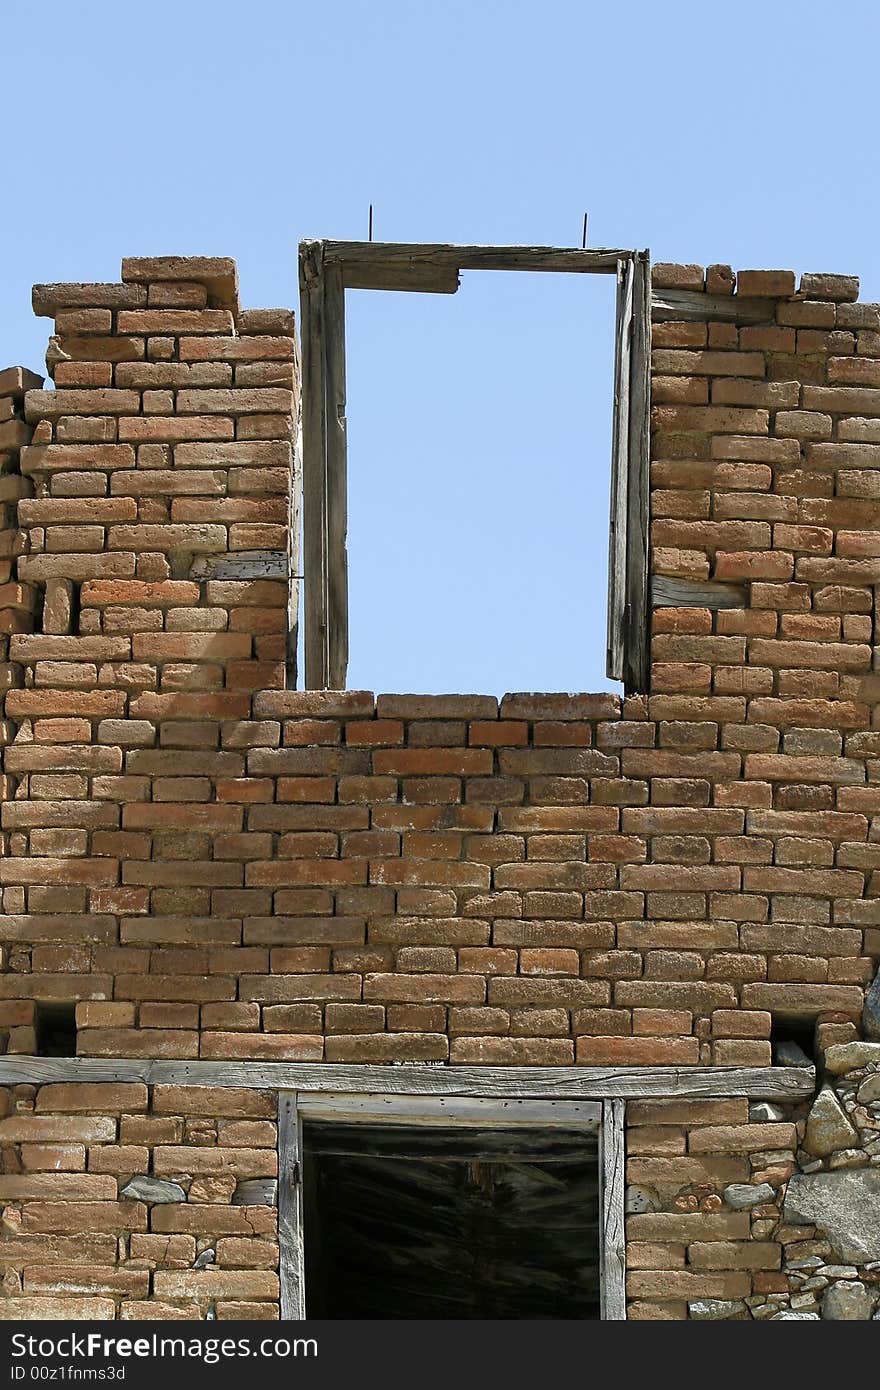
478,424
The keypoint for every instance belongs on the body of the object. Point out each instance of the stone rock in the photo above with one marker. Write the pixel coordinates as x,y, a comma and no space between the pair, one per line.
827,1126
871,1012
746,1194
718,1309
869,1089
847,1302
848,1158
843,1057
844,1205
792,1315
207,1257
765,1112
790,1054
639,1199
256,1192
146,1189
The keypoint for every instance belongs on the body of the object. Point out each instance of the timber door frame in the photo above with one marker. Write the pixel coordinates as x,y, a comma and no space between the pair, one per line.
605,1119
326,270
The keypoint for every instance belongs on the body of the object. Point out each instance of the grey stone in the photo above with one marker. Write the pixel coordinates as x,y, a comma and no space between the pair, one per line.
871,1011
765,1112
718,1309
870,1089
843,1057
845,1206
848,1158
746,1194
256,1192
790,1054
847,1303
792,1315
207,1257
639,1199
147,1189
827,1126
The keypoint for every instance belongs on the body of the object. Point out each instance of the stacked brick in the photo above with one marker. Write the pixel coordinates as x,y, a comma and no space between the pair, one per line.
119,1203
211,866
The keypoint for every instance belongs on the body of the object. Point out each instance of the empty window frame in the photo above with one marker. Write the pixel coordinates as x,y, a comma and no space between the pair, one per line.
326,270
457,1207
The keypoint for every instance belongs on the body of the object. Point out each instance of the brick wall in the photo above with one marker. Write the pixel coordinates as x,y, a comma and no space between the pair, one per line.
210,865
76,1243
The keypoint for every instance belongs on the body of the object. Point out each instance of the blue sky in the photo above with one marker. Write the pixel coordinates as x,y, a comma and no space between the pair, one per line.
478,424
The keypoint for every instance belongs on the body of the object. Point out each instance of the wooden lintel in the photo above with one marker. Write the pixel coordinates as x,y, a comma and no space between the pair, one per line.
537,1083
667,592
411,256
693,305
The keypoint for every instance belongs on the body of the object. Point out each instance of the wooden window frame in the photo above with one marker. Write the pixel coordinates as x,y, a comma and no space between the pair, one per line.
326,270
605,1119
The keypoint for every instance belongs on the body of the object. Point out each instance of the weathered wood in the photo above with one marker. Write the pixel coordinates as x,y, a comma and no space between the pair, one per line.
241,565
311,272
419,279
408,257
667,592
336,481
290,1209
473,1144
612,1246
617,535
636,661
695,306
537,1083
450,1110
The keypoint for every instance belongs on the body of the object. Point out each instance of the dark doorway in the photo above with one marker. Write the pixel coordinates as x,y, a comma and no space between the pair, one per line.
424,1222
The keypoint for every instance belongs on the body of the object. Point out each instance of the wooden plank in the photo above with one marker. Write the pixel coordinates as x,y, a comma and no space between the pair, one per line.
242,565
290,1209
612,1249
294,550
462,1143
442,279
617,537
311,279
410,256
447,1111
636,657
667,592
336,480
535,1083
695,306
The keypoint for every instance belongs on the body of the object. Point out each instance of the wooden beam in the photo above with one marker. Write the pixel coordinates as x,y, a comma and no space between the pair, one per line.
535,1083
336,479
427,279
636,659
612,1248
290,1210
311,279
617,535
449,1111
667,592
695,306
411,256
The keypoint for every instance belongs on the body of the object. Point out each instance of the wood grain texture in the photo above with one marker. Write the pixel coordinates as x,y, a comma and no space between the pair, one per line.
409,257
311,278
667,592
617,536
336,479
290,1209
447,1111
636,660
693,305
535,1083
612,1246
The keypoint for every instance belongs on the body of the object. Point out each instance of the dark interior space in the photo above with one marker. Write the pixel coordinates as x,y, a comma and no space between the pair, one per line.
56,1030
793,1040
425,1222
